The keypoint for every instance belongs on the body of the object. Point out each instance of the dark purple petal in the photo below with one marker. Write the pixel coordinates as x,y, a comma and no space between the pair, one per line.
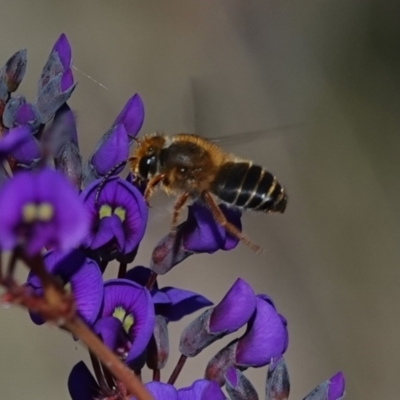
336,387
112,149
84,276
14,139
162,391
63,226
235,309
13,71
135,300
132,115
202,234
110,331
140,275
81,384
103,235
265,338
182,303
238,386
277,386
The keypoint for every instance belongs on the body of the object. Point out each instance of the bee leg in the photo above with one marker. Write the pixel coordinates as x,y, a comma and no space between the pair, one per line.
153,182
230,228
178,207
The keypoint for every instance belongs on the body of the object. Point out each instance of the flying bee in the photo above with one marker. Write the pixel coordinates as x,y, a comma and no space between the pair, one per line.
193,168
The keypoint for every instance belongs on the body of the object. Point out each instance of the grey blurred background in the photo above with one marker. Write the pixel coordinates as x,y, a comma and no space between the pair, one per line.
228,67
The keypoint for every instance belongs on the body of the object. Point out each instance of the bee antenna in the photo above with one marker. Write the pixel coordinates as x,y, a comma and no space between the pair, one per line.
104,180
135,139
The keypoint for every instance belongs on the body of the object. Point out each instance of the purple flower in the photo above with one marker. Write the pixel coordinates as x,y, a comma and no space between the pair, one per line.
266,338
119,218
13,71
202,234
201,389
41,209
161,391
131,116
127,318
238,386
81,274
234,310
332,389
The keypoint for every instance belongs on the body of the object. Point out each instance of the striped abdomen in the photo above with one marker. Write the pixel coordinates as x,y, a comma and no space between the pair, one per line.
243,184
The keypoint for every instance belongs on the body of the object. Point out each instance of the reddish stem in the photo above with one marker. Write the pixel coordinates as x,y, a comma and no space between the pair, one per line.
177,370
152,280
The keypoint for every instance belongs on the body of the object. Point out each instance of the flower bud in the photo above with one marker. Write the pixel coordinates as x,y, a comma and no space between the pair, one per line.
238,386
13,71
158,348
277,385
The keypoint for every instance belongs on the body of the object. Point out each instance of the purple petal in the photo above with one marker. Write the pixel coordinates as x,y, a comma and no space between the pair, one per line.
14,139
11,109
135,300
109,329
81,384
103,234
182,303
336,387
67,80
202,234
162,391
139,274
235,309
112,149
265,338
201,389
63,49
28,152
132,115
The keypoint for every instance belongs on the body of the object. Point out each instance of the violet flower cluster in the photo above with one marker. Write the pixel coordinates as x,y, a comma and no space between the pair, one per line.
80,216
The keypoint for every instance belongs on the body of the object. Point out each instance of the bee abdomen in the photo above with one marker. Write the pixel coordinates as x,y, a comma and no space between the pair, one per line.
249,186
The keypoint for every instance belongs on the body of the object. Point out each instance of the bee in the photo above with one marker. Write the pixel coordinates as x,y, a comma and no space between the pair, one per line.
195,169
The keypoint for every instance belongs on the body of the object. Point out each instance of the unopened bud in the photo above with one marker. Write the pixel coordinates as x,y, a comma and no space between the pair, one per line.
238,386
278,385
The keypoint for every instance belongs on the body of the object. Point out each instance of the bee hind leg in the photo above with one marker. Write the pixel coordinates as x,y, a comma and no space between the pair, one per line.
230,228
180,202
153,182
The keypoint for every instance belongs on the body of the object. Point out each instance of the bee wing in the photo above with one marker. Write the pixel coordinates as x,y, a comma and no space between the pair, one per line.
246,137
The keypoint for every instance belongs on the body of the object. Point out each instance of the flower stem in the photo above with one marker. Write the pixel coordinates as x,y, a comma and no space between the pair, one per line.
177,370
152,280
77,327
156,375
122,269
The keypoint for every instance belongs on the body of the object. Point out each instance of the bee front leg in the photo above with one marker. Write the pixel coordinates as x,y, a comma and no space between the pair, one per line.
230,228
153,182
182,200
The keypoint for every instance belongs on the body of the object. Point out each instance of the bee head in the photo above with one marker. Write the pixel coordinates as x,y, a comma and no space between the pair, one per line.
148,153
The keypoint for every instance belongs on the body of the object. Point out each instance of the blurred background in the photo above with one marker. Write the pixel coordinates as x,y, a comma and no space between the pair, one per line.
229,67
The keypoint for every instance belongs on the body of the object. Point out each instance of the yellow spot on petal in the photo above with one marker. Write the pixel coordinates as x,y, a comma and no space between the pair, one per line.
120,212
105,211
44,212
29,213
128,322
126,319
